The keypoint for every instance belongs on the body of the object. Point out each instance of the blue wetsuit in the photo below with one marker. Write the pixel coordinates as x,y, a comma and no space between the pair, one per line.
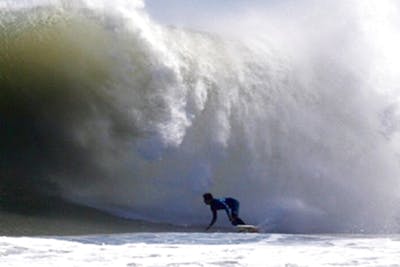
230,205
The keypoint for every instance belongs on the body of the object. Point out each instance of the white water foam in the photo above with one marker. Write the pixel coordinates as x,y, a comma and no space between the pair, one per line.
169,249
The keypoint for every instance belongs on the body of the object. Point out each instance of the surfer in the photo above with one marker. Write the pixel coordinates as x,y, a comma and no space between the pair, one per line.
230,205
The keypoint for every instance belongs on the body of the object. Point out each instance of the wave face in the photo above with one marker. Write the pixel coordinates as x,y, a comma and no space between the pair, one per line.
299,120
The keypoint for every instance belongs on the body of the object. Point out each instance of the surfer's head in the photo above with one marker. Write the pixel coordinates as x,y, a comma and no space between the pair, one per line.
208,197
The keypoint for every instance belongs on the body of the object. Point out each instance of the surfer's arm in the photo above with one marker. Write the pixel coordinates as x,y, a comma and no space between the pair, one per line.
214,218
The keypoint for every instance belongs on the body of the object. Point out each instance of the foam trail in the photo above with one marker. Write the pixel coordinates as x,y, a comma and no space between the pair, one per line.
102,106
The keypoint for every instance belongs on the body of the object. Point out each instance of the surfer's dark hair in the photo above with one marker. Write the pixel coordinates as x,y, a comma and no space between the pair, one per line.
208,196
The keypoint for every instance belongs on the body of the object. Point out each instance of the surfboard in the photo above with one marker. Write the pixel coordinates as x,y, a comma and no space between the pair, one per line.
247,228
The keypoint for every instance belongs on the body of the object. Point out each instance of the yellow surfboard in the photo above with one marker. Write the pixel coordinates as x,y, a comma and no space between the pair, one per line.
247,228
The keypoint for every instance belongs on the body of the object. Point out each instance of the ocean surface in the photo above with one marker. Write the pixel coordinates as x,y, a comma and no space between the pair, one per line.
113,124
201,249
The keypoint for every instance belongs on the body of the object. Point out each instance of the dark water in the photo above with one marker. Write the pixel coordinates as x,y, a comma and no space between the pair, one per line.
59,218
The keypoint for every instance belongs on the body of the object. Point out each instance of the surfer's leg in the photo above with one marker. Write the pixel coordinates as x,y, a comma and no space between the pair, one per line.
235,215
237,221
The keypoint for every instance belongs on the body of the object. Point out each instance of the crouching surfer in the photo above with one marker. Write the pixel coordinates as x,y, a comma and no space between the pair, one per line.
230,205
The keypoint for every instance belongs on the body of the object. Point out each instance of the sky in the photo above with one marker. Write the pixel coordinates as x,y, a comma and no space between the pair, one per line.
192,12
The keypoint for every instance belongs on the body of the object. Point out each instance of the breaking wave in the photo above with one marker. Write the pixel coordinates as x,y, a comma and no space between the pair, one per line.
100,105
